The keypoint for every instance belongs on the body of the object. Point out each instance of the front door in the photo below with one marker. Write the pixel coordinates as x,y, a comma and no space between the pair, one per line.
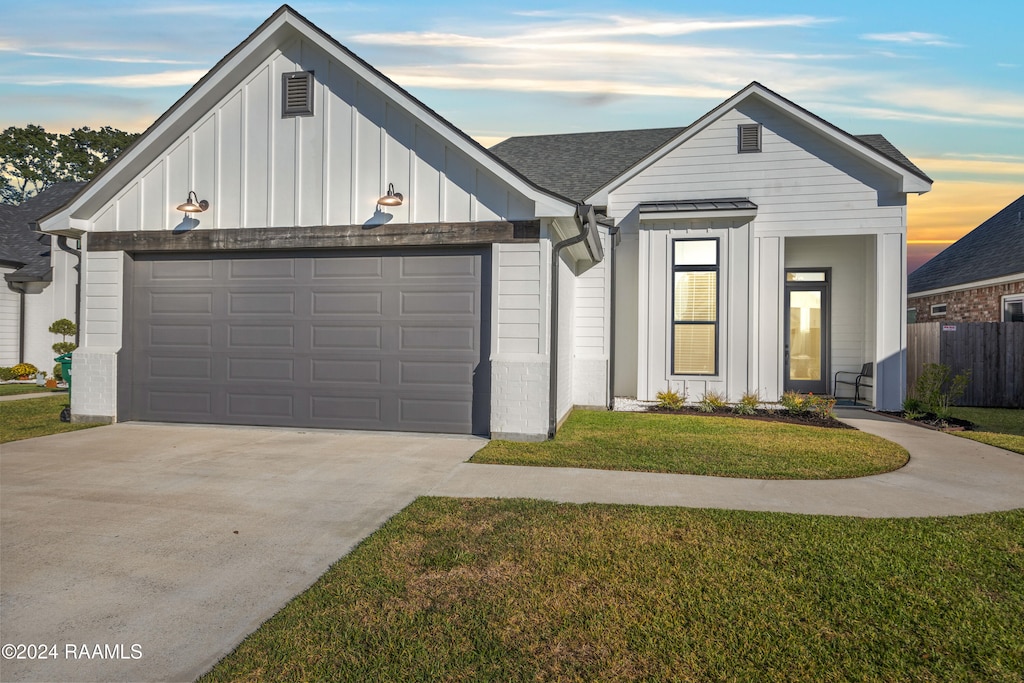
807,325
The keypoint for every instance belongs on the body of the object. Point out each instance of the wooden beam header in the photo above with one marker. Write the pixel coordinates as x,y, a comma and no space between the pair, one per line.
318,237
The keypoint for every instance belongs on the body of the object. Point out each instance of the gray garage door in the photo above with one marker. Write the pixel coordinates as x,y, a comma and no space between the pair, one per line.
339,340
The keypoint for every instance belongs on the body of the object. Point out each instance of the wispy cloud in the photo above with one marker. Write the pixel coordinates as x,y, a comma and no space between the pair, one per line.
164,79
911,38
975,166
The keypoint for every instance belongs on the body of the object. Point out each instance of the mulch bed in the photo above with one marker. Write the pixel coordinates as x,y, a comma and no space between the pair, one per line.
932,421
809,419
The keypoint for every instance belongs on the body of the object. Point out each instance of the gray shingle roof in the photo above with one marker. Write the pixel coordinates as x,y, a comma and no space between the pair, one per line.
19,246
575,165
993,249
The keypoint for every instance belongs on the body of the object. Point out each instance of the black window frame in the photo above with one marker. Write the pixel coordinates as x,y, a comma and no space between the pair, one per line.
717,270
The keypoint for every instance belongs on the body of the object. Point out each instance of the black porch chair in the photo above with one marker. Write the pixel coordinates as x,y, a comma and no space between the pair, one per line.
864,378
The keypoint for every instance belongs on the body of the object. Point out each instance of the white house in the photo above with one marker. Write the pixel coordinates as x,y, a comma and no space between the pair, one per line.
38,280
486,298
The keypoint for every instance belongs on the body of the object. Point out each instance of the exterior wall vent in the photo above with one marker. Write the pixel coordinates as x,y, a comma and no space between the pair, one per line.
749,137
297,94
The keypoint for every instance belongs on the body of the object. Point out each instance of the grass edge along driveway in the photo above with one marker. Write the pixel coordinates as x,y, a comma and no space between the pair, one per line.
31,417
523,590
707,445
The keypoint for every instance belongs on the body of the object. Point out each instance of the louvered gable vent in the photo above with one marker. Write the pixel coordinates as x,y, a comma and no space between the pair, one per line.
297,94
749,137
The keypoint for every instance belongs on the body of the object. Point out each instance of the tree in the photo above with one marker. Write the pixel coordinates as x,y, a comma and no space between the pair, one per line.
65,328
28,157
32,159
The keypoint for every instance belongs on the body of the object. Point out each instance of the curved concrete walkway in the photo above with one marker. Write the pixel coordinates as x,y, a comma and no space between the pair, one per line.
946,475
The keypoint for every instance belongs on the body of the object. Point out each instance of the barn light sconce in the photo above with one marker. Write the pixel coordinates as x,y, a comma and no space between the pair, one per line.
193,204
392,198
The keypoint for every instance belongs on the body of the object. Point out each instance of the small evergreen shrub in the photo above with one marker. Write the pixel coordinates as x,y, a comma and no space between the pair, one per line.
7,374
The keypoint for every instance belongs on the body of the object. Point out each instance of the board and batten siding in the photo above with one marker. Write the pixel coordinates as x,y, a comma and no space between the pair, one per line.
801,181
10,319
258,169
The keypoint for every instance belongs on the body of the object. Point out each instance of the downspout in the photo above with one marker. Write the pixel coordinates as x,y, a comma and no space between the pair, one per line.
62,242
585,220
613,235
21,321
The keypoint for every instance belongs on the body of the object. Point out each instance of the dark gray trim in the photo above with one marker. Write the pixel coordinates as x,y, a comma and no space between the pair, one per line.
320,237
124,355
684,205
296,94
717,270
745,138
826,328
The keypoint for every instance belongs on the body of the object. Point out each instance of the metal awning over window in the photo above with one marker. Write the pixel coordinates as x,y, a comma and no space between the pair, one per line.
733,207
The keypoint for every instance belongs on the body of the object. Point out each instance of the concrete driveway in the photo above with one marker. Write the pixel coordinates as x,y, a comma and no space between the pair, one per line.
139,552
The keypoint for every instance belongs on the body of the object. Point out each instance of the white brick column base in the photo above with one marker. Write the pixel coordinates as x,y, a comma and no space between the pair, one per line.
94,385
519,398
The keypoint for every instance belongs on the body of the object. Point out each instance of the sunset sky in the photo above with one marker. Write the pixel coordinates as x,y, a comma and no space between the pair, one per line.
943,81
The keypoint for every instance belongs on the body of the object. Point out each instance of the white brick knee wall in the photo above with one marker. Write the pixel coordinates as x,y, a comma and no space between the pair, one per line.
519,399
94,385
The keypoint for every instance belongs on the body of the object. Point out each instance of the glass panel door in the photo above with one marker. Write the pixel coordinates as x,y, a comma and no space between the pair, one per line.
806,350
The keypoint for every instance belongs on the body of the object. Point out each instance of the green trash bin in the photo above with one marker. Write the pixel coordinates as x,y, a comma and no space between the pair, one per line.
65,368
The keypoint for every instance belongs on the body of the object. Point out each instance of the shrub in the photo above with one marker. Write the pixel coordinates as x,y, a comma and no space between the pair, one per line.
25,369
748,404
913,409
7,374
65,328
793,402
711,401
822,405
670,400
58,372
938,390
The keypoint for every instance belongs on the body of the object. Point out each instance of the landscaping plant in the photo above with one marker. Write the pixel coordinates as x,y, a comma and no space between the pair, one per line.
24,371
670,400
65,328
748,404
938,390
711,401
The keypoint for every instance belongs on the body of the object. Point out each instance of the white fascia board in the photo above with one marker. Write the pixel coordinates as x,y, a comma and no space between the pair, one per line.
1013,277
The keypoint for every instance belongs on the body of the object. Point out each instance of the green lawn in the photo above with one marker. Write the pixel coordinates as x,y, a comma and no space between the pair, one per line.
32,417
719,446
12,389
525,590
1002,427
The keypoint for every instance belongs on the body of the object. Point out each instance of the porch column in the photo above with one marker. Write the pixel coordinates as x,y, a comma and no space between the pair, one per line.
891,331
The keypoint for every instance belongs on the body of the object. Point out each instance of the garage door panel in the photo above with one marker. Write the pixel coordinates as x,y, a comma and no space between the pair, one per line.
348,303
443,266
333,337
348,267
432,302
180,303
433,338
261,269
180,335
346,371
274,369
377,341
261,303
187,368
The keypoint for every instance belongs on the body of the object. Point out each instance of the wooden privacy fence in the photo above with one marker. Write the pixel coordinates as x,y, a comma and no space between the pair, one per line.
993,352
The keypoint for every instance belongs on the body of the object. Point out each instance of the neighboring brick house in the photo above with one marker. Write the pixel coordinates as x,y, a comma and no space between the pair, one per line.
980,278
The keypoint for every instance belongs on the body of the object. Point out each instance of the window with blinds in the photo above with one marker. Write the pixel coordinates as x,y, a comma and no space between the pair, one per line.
695,307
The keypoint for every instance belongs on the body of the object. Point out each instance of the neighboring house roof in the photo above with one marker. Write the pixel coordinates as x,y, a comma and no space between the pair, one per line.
578,165
993,249
21,247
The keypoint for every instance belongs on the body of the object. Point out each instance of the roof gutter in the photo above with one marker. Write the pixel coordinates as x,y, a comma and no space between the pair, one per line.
586,221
